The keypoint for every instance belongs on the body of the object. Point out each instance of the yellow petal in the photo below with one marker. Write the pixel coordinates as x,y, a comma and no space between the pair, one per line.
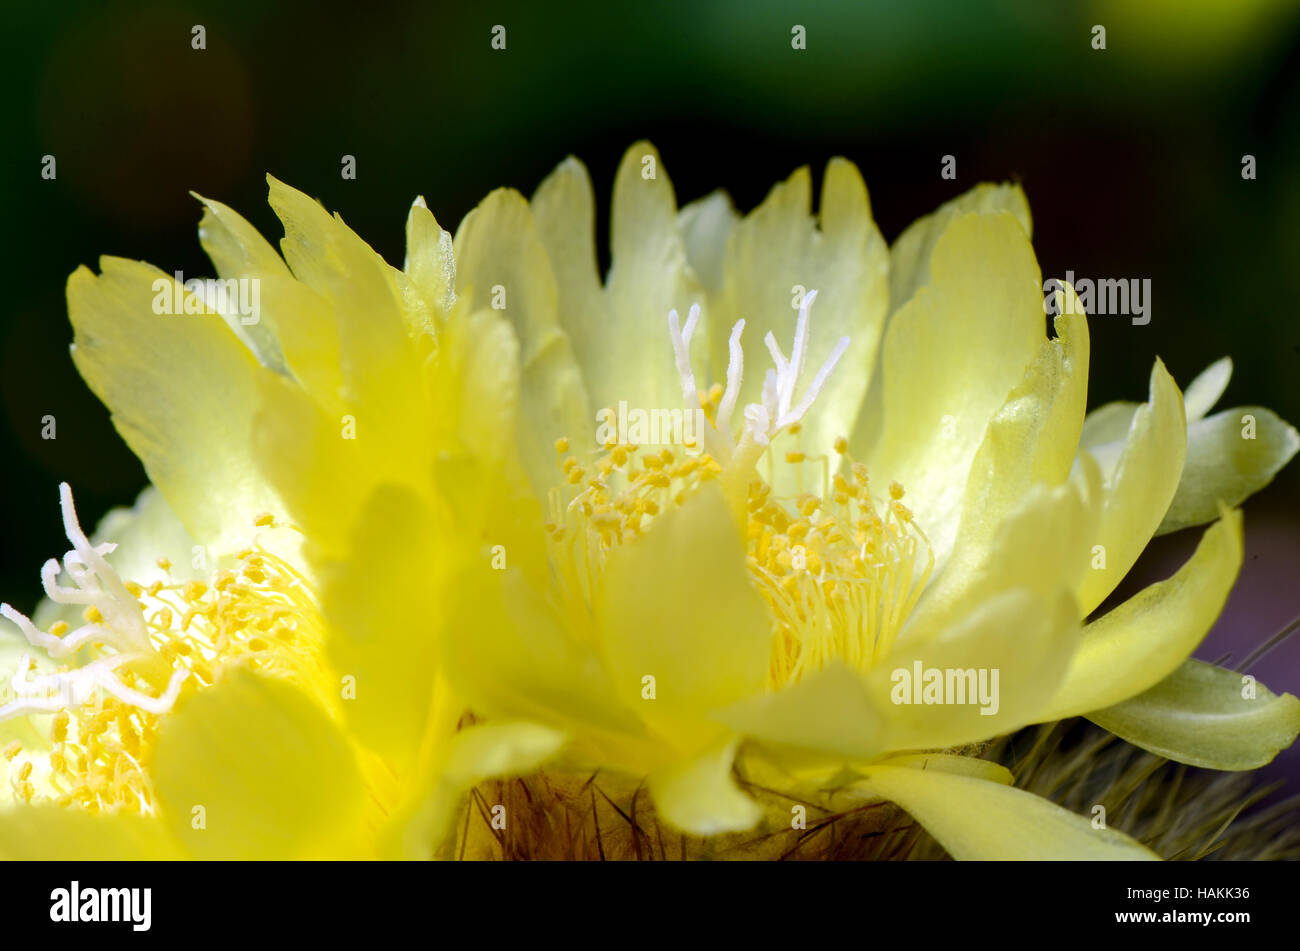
1204,391
53,834
238,252
700,797
1017,643
1206,716
781,247
909,266
706,225
978,820
500,260
1020,526
677,605
380,364
564,211
1135,645
951,357
183,392
1140,488
382,611
272,775
828,713
1230,456
648,277
430,259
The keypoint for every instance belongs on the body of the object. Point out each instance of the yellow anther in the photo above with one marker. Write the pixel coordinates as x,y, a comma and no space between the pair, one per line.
164,563
794,456
652,461
620,456
154,588
59,728
59,628
134,589
860,473
575,475
24,771
841,445
195,590
794,429
666,456
562,445
254,574
92,615
164,618
895,491
568,463
12,750
264,520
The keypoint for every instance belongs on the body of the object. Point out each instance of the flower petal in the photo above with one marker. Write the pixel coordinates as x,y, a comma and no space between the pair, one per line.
828,713
1230,456
274,777
53,834
1022,638
706,225
498,251
951,357
976,819
631,356
1135,645
699,796
677,605
1204,715
382,611
183,391
909,265
1139,488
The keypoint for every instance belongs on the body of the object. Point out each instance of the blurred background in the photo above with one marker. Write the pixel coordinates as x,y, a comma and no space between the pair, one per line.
1131,157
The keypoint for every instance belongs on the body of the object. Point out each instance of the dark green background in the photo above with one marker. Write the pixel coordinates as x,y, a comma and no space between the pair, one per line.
1131,158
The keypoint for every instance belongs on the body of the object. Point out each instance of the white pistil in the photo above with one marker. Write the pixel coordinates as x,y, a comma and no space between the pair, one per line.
122,628
766,419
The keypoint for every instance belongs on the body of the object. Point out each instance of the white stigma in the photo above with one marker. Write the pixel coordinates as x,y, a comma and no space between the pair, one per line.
122,629
763,420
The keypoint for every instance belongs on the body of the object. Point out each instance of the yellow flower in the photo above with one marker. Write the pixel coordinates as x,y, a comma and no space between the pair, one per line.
911,487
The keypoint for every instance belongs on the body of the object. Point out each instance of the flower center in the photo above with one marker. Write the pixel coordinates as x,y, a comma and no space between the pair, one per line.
840,570
141,648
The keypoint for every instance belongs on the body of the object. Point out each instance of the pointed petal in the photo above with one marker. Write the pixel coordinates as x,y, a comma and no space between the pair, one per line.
497,247
1230,456
909,267
1140,487
1206,716
648,277
980,820
274,776
945,376
1135,645
706,225
183,392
